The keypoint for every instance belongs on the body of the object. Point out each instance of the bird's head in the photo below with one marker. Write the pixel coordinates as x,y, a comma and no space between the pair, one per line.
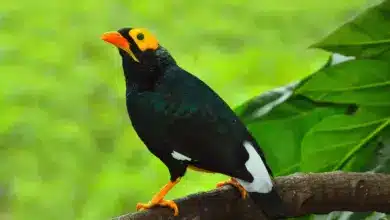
137,44
143,57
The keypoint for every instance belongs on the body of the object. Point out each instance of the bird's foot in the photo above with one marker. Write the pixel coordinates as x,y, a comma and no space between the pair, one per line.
236,184
165,203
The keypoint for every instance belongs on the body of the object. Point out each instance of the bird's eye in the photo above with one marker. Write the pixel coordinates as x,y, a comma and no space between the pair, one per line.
140,36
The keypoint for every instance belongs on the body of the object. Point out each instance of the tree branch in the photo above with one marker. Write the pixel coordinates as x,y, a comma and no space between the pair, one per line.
313,193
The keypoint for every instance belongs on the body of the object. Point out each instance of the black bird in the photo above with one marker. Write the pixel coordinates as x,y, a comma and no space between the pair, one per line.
184,123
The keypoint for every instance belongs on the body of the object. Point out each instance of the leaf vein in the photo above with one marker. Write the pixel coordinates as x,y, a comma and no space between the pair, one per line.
331,147
367,86
351,127
360,145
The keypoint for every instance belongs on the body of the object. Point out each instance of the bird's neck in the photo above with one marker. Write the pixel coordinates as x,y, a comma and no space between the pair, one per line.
138,77
141,77
165,60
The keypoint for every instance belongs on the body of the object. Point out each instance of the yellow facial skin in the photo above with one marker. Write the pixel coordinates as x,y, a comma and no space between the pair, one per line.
144,39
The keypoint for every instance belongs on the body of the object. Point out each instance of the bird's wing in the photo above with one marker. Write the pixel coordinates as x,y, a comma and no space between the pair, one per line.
206,133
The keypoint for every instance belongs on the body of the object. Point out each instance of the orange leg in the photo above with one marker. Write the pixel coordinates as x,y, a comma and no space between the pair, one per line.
158,199
236,184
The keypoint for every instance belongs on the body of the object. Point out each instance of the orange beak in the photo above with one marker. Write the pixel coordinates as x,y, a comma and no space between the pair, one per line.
119,41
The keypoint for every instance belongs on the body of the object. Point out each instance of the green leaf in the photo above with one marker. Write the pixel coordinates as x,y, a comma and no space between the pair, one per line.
364,159
371,96
374,157
334,141
382,160
365,36
359,81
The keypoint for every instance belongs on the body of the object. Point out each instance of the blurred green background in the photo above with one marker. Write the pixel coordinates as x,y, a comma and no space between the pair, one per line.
67,148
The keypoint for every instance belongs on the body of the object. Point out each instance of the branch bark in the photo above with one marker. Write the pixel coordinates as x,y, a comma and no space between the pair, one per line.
312,193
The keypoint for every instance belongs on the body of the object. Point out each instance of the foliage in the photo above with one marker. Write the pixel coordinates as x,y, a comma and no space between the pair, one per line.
339,117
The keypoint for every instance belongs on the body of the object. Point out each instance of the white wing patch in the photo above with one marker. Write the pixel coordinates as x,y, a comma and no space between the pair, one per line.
179,156
262,182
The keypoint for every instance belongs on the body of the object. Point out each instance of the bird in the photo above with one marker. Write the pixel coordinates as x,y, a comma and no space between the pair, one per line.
186,124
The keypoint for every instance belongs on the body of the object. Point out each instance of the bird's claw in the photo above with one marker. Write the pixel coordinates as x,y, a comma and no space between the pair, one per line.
236,184
166,203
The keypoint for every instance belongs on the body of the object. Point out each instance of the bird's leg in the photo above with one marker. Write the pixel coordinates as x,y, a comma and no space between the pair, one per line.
158,199
236,184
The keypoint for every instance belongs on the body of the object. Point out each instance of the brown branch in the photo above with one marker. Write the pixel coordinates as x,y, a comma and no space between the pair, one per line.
302,194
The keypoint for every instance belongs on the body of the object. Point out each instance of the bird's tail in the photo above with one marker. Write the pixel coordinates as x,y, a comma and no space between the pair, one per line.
271,203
